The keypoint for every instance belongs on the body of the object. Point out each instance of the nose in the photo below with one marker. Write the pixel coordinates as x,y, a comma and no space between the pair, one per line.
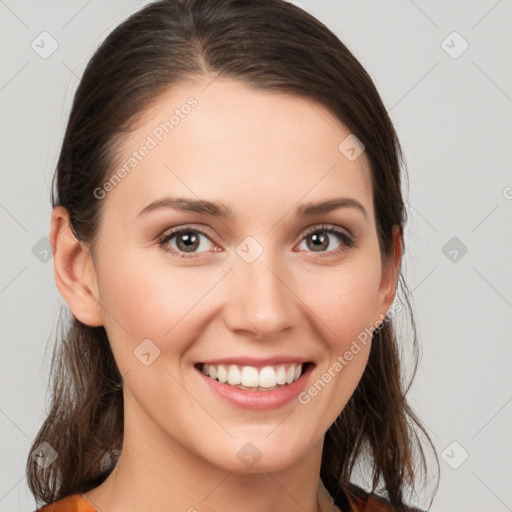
260,299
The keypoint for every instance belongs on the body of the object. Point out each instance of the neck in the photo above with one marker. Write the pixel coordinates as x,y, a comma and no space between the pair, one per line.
156,473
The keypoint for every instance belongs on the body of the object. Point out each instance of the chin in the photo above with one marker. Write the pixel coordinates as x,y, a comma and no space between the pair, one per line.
261,452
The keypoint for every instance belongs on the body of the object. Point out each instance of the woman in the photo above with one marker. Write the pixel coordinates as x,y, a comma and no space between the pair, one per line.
227,231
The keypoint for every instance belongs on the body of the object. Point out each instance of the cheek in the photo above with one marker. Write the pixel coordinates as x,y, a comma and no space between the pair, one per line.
344,299
346,310
147,300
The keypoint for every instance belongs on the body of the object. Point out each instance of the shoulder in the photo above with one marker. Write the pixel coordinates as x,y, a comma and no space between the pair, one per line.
73,503
362,501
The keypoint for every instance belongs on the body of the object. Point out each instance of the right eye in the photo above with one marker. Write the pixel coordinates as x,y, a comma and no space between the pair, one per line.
187,241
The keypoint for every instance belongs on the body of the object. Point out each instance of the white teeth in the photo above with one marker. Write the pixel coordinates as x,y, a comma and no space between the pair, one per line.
252,377
268,377
281,375
222,373
234,376
290,374
249,376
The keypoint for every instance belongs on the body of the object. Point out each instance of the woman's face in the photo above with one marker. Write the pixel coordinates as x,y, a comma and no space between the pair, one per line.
253,293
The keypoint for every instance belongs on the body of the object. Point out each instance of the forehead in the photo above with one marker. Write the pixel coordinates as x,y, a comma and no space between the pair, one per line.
224,140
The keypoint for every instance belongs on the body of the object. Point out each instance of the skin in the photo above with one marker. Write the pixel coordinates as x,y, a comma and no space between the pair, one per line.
263,154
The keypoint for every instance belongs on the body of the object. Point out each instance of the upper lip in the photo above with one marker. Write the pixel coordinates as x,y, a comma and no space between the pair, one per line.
254,361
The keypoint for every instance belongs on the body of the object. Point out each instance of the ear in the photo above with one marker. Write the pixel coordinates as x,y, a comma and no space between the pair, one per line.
74,270
390,272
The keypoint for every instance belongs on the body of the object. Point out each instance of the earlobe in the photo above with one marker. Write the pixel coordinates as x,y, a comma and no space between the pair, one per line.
390,271
74,270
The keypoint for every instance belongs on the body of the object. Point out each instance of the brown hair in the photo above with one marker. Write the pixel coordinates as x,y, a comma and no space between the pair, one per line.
270,45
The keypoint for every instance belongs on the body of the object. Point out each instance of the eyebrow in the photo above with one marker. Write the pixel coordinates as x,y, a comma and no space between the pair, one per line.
224,211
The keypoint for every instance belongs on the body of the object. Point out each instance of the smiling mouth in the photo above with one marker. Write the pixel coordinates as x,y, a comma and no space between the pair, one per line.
252,378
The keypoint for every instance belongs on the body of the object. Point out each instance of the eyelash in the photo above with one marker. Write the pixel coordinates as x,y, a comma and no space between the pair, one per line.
347,240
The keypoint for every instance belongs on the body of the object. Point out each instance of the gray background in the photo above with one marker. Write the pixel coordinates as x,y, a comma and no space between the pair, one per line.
453,116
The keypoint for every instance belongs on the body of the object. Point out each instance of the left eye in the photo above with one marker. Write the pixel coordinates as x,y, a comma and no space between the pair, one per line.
319,239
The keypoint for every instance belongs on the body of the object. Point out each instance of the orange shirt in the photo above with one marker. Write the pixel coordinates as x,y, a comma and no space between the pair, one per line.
73,503
77,503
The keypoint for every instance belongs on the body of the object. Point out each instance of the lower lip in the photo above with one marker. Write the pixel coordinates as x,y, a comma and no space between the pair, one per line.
258,400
